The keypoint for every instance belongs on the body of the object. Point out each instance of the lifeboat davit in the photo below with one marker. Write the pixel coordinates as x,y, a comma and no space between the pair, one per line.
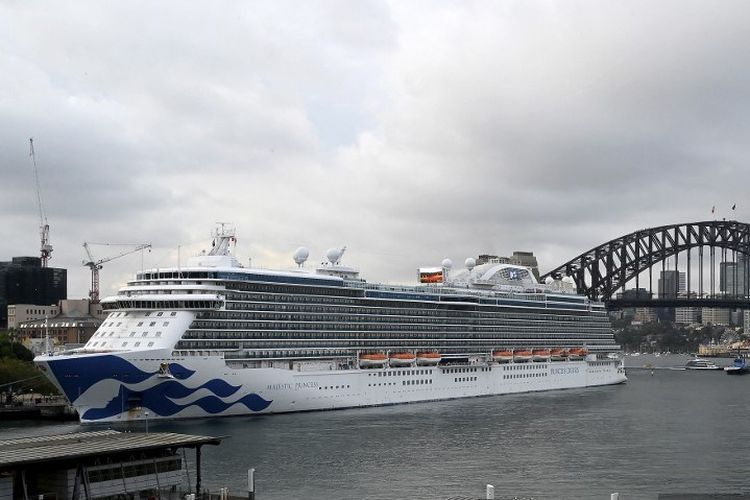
375,360
577,354
402,359
502,356
428,358
558,355
540,355
522,356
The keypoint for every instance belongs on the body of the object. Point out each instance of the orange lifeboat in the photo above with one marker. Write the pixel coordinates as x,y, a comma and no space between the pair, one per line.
428,358
402,359
558,355
502,356
522,356
540,355
577,354
375,360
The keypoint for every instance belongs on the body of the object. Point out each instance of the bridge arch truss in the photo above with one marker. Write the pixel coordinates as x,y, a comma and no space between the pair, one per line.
604,270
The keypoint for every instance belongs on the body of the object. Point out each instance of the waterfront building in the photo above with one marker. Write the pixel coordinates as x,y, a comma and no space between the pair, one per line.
746,321
23,280
100,465
72,326
715,316
687,315
21,313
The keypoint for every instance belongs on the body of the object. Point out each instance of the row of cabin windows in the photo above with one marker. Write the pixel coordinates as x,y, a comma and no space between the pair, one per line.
404,310
395,327
526,375
371,336
336,314
372,302
412,344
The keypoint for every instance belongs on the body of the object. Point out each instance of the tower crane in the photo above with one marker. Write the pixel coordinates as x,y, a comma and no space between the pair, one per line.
96,265
45,247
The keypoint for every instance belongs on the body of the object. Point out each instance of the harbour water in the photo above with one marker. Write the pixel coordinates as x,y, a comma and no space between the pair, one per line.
667,432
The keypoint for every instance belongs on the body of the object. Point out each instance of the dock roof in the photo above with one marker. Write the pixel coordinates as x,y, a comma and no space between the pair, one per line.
20,452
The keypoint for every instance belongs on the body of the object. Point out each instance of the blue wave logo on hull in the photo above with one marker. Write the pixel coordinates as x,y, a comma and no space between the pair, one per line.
77,375
156,399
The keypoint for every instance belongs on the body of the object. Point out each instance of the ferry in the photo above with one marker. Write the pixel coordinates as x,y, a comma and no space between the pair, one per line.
701,364
214,338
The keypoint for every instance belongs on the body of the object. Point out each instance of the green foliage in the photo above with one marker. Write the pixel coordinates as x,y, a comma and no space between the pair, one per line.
10,348
665,336
16,364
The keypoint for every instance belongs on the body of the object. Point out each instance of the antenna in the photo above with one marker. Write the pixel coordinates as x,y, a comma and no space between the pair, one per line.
45,247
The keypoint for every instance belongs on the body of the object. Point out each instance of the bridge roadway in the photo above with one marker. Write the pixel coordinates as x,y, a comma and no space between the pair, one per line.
718,302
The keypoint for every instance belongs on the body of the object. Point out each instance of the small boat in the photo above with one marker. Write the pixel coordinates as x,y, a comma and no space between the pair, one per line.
375,360
739,367
540,355
558,355
428,358
701,364
402,359
577,354
502,356
613,355
522,356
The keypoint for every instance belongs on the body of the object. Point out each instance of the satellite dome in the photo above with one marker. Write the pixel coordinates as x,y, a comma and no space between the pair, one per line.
301,255
470,263
549,279
447,264
334,255
568,279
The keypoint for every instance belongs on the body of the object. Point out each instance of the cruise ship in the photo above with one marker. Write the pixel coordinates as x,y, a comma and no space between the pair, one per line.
214,338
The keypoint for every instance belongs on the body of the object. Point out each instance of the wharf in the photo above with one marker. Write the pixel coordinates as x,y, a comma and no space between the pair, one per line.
39,411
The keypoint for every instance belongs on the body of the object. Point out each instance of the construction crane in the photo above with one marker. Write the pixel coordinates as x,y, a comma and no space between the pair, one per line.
46,247
96,265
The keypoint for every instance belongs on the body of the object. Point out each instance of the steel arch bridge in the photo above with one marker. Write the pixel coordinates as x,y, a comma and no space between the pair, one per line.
604,270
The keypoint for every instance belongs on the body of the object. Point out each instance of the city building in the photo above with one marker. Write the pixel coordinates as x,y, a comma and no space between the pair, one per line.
72,326
519,258
687,315
23,280
20,313
671,284
746,321
715,316
734,276
645,315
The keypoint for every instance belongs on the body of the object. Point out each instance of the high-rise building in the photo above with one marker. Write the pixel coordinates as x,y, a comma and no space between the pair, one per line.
671,284
23,280
733,276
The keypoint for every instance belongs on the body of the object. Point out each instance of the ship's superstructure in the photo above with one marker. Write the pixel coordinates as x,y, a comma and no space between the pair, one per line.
215,338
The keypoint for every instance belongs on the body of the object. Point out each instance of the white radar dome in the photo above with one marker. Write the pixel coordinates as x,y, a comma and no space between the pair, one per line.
447,264
334,255
569,279
301,255
470,263
549,280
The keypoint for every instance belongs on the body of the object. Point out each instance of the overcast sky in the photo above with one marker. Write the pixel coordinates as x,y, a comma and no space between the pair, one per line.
408,131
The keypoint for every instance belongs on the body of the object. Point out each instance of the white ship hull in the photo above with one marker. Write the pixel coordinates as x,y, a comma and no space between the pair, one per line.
207,387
